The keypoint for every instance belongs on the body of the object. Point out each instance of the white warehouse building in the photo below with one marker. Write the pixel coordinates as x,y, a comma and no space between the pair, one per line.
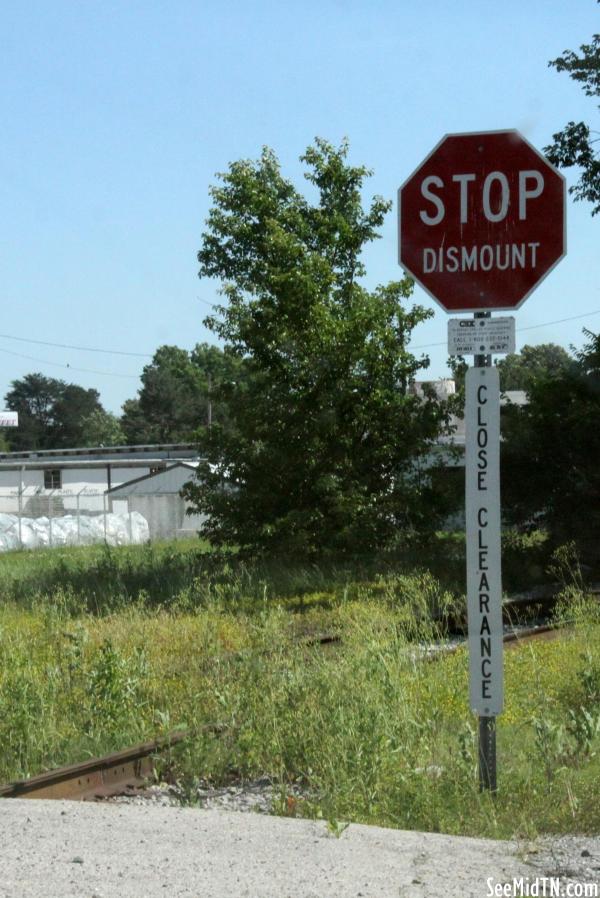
157,498
55,482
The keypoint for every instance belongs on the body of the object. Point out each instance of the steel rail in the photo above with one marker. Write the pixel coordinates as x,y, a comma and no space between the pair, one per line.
112,774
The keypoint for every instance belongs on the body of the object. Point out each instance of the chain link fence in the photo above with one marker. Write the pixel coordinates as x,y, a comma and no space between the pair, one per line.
33,517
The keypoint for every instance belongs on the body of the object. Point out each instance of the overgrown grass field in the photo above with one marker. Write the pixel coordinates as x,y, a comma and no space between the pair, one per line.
103,648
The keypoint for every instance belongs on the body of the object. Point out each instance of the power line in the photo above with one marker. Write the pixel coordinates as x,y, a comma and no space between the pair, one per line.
69,367
147,355
213,305
142,355
529,327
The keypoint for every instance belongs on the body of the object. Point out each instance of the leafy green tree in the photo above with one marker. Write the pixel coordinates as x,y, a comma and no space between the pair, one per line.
101,428
458,366
32,397
551,449
176,397
216,367
72,407
574,145
170,402
328,447
51,412
134,426
519,370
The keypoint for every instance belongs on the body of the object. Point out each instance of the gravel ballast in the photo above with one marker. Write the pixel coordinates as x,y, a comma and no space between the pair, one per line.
51,849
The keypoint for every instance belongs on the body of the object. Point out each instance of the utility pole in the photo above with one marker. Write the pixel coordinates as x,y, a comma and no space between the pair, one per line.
209,379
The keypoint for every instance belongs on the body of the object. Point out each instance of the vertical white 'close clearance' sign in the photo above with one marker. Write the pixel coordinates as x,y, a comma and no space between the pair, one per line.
484,581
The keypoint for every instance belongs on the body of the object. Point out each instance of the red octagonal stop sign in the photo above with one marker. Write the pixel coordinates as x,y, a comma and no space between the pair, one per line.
482,221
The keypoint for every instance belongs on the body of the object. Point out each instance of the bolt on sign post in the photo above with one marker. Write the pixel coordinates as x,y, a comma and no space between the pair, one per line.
481,222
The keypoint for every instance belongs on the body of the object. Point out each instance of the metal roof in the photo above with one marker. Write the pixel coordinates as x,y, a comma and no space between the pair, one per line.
168,481
156,450
58,463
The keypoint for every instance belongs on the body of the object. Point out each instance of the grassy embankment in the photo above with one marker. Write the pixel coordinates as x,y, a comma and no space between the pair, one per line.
100,649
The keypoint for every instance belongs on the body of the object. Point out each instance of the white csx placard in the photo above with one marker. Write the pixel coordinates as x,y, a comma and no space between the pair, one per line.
481,336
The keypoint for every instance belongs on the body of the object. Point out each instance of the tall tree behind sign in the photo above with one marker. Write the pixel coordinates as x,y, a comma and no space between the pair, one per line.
327,437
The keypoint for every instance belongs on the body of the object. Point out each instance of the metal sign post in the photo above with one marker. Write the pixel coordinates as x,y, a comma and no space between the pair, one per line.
484,578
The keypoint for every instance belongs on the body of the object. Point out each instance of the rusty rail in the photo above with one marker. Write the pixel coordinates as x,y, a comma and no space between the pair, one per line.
544,632
112,774
544,595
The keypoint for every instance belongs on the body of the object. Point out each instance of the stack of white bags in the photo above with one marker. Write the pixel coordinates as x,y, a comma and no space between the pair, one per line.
120,530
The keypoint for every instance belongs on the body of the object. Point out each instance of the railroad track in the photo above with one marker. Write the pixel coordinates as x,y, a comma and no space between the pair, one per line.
545,632
543,596
126,771
117,773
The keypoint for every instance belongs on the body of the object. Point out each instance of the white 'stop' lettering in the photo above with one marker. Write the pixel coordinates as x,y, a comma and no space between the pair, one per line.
531,186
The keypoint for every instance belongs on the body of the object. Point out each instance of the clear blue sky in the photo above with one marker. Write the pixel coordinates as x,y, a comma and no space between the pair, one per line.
117,115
